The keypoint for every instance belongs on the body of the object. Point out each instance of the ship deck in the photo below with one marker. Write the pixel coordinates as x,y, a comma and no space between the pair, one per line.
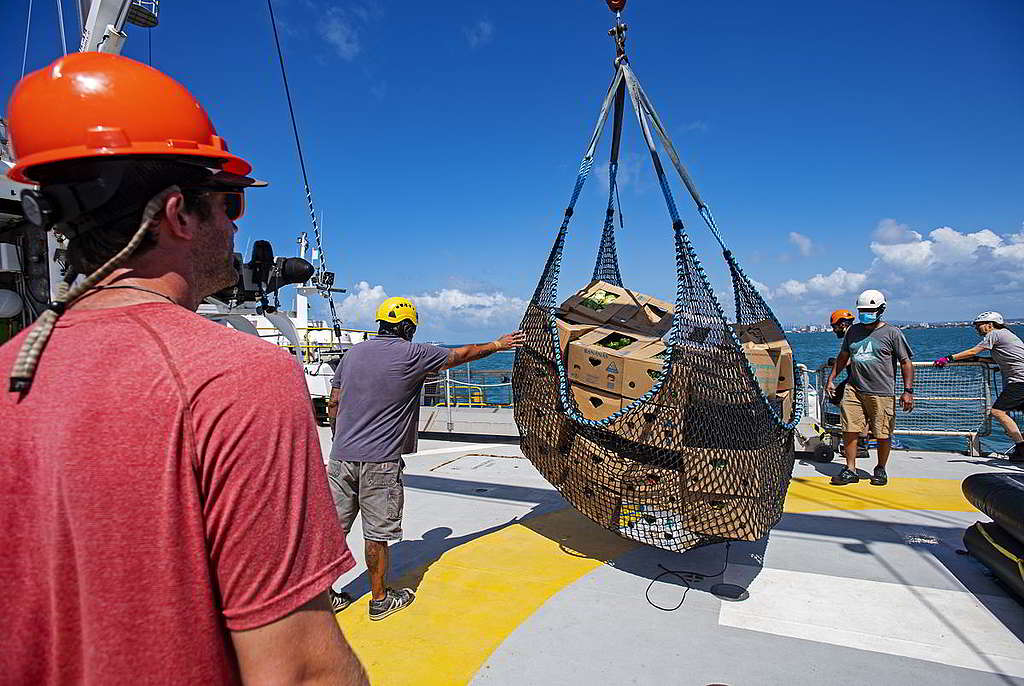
856,585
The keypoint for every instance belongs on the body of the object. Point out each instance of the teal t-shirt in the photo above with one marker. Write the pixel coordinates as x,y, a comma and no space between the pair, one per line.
875,356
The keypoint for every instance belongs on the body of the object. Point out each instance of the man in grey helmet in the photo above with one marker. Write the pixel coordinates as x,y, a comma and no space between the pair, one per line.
1007,351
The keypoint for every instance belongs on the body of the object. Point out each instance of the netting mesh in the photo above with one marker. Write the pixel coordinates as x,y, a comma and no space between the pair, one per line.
703,456
606,268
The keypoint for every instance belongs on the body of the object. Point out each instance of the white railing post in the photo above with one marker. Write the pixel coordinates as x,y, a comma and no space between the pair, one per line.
448,397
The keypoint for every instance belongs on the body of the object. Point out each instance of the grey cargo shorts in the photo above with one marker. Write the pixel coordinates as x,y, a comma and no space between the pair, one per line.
372,489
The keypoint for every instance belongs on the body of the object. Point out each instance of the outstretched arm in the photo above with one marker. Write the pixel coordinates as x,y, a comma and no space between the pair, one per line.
960,356
476,351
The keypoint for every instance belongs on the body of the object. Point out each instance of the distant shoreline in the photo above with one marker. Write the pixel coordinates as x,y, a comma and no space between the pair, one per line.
907,325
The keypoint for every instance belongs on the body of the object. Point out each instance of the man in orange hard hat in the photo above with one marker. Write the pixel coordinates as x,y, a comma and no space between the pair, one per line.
156,525
841,321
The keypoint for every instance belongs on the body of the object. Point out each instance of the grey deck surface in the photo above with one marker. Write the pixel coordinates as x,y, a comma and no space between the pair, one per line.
856,596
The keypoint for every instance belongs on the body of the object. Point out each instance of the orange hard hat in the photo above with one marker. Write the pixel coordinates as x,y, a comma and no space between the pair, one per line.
840,315
94,104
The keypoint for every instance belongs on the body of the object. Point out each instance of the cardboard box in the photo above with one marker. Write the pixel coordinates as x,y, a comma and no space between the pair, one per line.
787,404
568,332
764,332
765,361
653,317
786,370
591,361
599,302
574,317
604,303
537,381
723,472
545,438
595,403
730,517
767,336
643,370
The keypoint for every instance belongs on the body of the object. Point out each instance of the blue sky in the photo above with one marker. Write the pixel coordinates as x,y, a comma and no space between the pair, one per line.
840,145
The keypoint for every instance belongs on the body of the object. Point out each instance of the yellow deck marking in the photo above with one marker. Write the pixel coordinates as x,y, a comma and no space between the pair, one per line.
471,598
811,494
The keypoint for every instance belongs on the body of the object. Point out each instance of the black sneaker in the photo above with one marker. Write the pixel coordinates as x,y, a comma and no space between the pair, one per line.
392,603
339,601
845,477
879,478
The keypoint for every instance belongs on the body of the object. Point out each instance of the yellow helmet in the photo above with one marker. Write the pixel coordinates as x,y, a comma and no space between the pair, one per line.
394,310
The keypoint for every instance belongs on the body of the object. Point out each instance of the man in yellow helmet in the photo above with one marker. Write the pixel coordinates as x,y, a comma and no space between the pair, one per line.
374,405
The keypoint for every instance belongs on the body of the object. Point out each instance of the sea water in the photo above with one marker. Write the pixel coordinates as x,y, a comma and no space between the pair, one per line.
814,350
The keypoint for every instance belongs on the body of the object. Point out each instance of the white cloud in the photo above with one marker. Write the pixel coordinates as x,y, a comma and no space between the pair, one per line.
480,33
934,275
890,231
484,309
445,310
835,284
802,243
339,29
913,255
632,173
764,289
696,125
360,305
944,247
342,24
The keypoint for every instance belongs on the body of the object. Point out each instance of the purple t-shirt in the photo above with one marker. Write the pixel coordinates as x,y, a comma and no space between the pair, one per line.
380,381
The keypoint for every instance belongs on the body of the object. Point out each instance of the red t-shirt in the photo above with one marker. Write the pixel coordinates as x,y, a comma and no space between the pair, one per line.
160,484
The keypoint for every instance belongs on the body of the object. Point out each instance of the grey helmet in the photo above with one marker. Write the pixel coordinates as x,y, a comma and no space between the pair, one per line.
993,317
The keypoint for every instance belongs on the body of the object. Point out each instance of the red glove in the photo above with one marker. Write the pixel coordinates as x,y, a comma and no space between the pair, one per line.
943,361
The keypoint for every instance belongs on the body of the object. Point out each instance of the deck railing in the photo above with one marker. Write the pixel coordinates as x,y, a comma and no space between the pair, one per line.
948,401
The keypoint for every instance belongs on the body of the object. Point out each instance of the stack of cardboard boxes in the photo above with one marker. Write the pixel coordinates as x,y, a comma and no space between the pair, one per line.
768,351
610,342
610,339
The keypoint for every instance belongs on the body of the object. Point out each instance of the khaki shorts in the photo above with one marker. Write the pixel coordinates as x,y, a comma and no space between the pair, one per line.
860,412
372,489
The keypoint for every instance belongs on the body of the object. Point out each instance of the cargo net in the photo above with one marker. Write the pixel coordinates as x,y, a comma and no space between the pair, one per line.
702,457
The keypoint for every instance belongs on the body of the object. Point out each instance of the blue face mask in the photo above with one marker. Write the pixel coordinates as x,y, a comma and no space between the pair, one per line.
868,317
